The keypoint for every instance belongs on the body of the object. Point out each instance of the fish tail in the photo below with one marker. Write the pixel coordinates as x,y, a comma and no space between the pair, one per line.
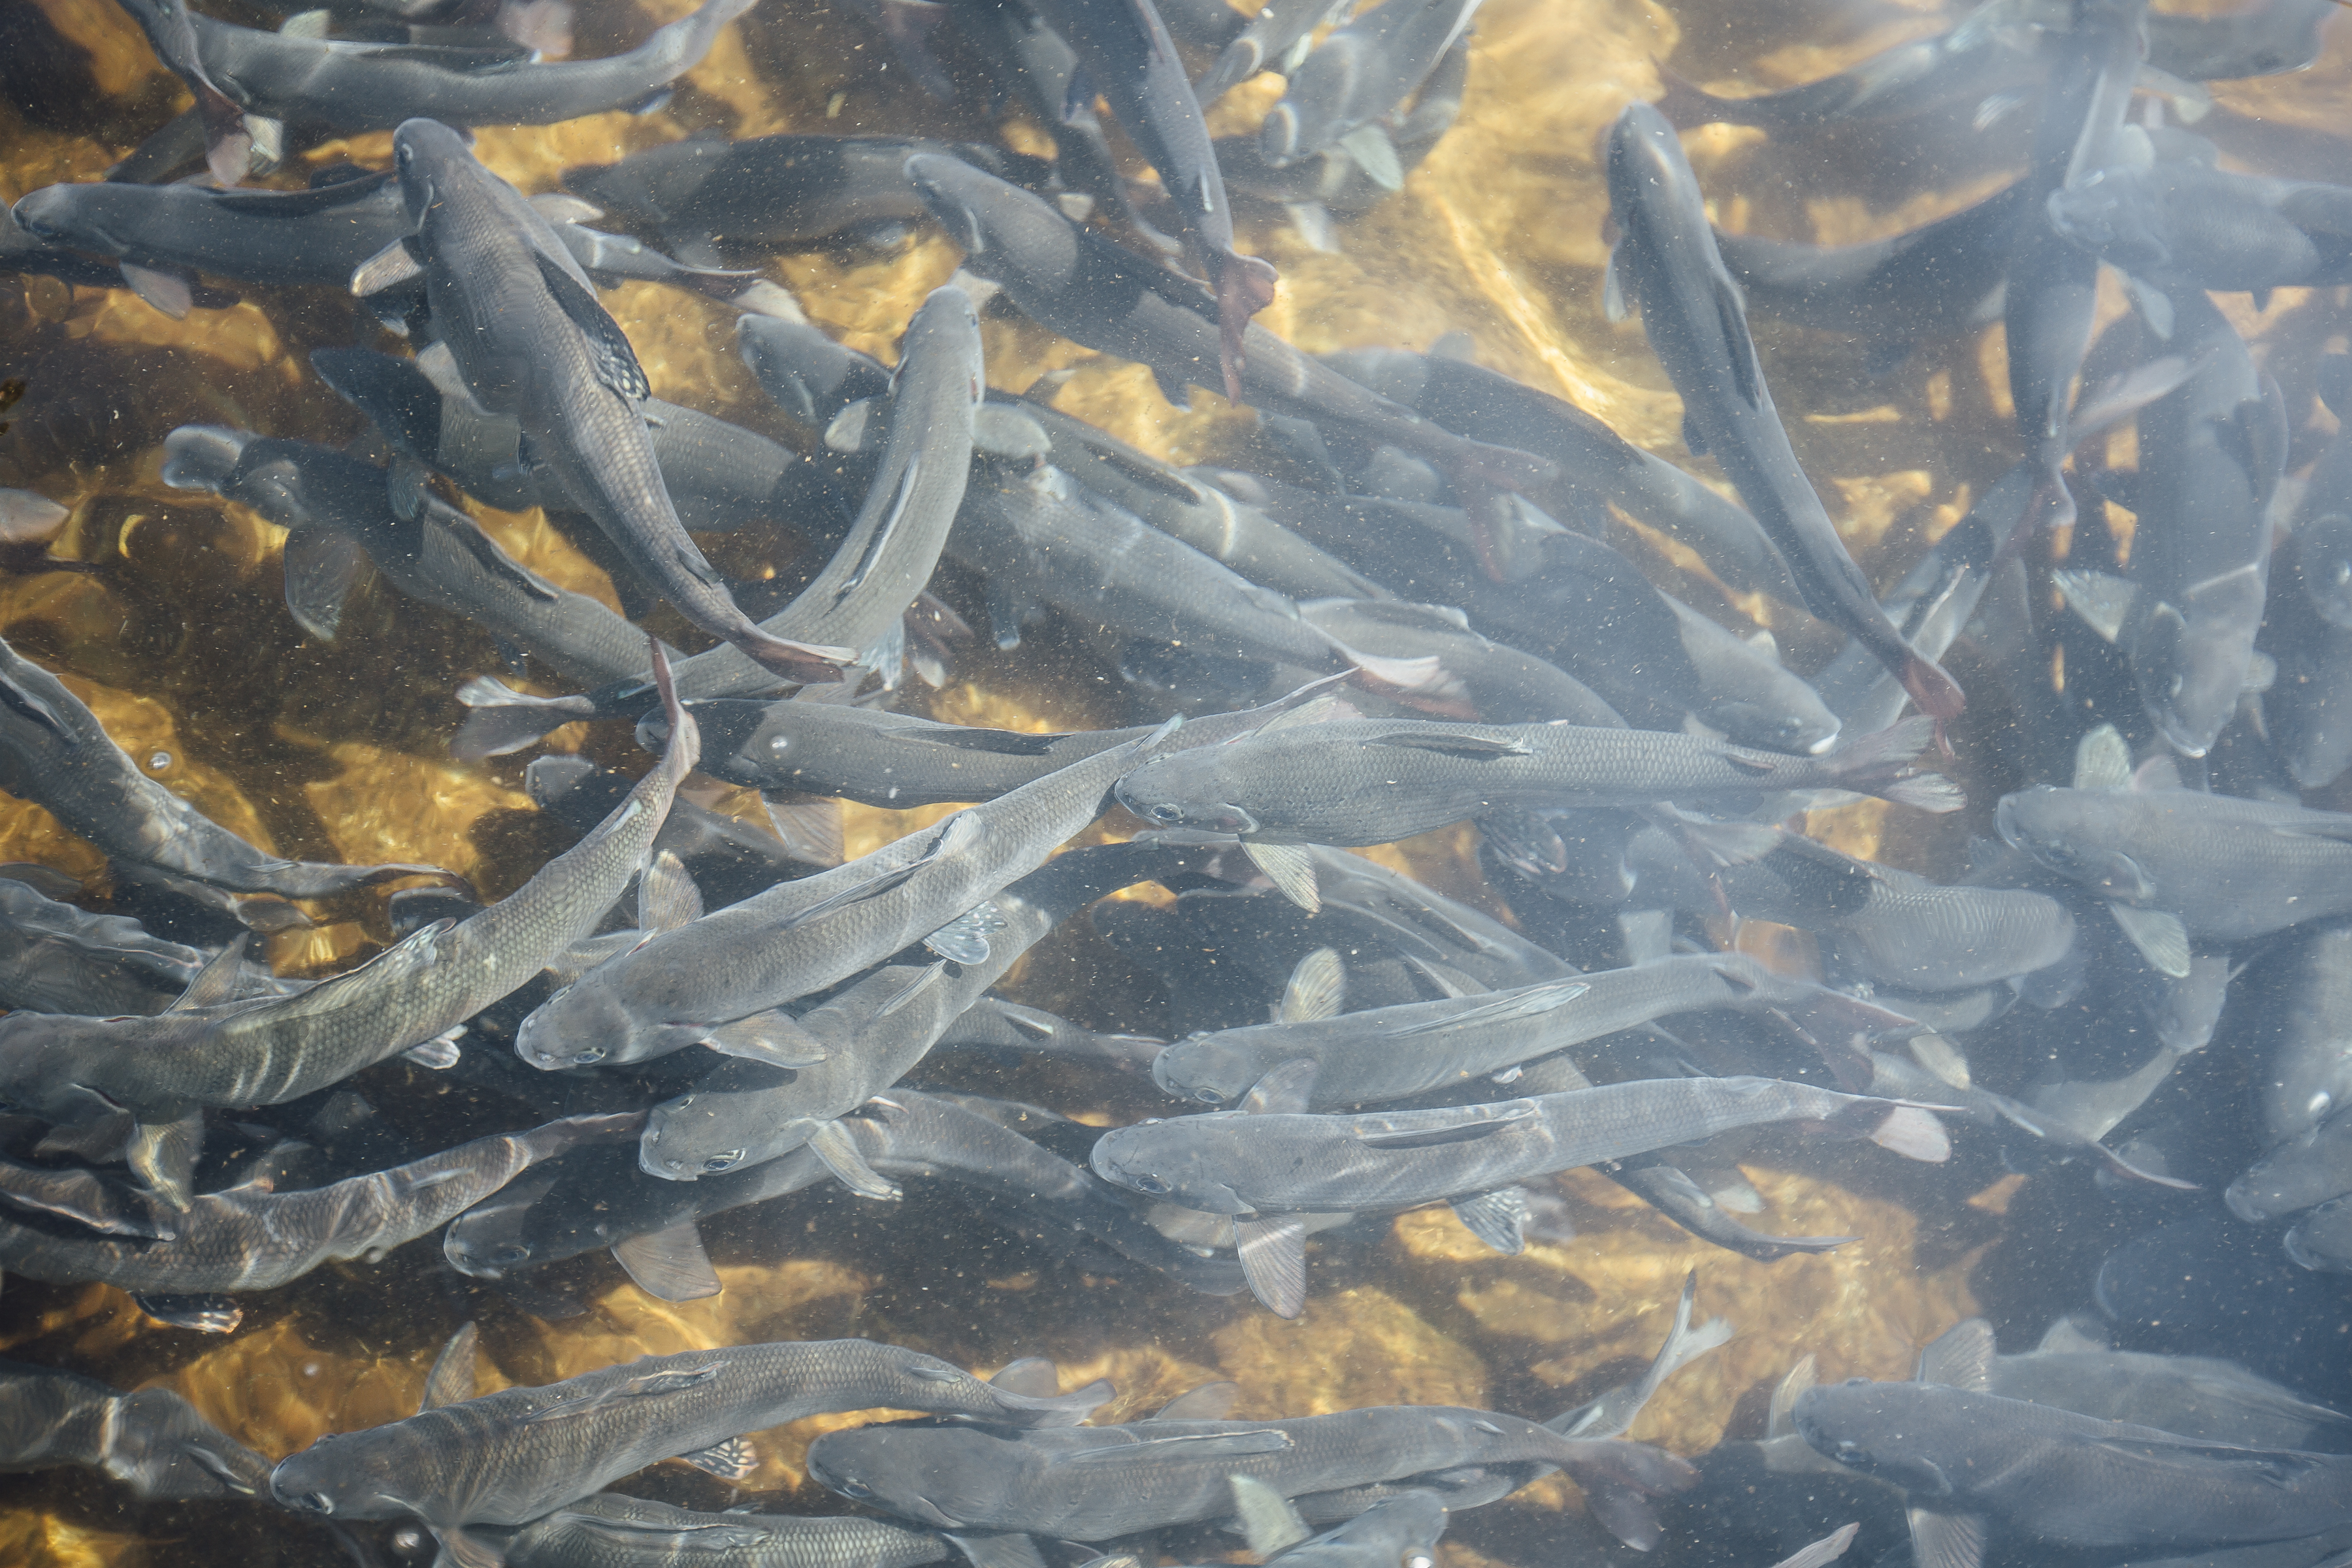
1938,694
503,720
1245,286
1886,764
685,734
1910,1130
803,664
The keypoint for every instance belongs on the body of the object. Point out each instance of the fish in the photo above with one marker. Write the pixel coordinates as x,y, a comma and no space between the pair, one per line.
2229,45
55,754
1488,679
613,1530
873,1033
1967,1457
2303,997
1125,53
2308,1170
1275,38
176,34
248,1237
1964,62
734,967
351,86
1270,1159
58,958
652,1225
1393,1052
1358,73
2321,1240
520,1454
530,340
856,604
2215,451
153,1441
341,521
1373,781
727,858
1665,258
1071,281
805,372
709,198
209,1050
1150,1473
2196,227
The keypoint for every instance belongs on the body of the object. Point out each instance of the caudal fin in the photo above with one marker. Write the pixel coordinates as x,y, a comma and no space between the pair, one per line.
1687,104
1886,764
803,664
503,720
1245,286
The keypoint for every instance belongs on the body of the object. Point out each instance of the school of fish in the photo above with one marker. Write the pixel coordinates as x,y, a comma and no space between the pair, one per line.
1984,865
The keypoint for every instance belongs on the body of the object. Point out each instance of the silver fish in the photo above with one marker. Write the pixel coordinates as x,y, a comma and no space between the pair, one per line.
153,1441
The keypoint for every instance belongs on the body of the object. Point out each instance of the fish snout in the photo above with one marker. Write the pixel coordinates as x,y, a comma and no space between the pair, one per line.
40,213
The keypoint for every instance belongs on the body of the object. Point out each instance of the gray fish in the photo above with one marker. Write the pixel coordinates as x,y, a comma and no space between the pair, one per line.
683,985
857,603
1126,54
613,1530
2215,449
1373,781
526,330
708,196
2203,227
1593,460
1274,39
1399,1532
874,1033
2302,1172
176,34
2249,41
899,761
209,1050
807,373
340,518
153,1441
362,87
1269,1161
1480,678
2303,996
1072,282
2063,1478
1953,66
248,1237
2322,1239
592,1201
1150,1473
55,958
1359,73
518,1455
2174,864
1392,1053
1665,258
54,752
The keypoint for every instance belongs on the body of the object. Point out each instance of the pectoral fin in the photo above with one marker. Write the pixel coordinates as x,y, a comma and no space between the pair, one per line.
2159,934
204,1314
1466,1132
667,895
163,1155
731,1460
670,1264
1269,1521
774,1037
1274,1261
321,566
1291,870
390,267
609,351
1946,1540
809,828
1498,1218
1286,1090
1317,985
467,1550
832,1143
964,939
1209,1402
170,290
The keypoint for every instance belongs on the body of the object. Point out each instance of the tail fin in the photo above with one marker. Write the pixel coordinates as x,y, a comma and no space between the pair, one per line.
1245,286
1938,694
504,720
803,664
1687,104
1885,764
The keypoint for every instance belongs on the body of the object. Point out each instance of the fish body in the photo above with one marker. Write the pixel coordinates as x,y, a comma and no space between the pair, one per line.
2068,1479
56,958
2203,227
530,340
1359,73
611,1530
1698,325
251,1238
2303,1019
1944,67
1276,1163
682,984
1368,781
54,752
1390,1053
1097,1483
518,1455
153,1441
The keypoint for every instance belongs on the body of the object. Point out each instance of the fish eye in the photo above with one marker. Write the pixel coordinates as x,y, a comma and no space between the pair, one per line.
588,1057
1208,1097
1165,812
313,1502
510,1254
725,1162
1151,1185
852,1487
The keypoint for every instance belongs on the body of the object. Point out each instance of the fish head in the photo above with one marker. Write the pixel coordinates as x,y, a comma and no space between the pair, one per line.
1170,1160
708,1131
944,1475
2073,833
43,1061
1883,1429
585,1023
2192,666
2323,566
202,457
424,153
954,192
1184,790
61,215
2113,214
1205,1069
756,737
495,1237
374,1474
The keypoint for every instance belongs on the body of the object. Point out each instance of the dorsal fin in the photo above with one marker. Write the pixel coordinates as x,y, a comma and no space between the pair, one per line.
1209,1402
1960,1357
452,1377
2102,760
1802,1376
1315,988
216,982
1284,1091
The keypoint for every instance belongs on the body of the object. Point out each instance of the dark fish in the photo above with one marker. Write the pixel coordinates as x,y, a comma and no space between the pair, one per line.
341,520
1373,781
613,1530
2063,1478
1274,39
2202,228
153,1441
2322,1239
687,984
54,753
856,605
1072,282
1967,62
177,36
518,1455
2214,449
1359,73
710,197
531,340
1150,1473
2302,992
248,1237
1126,54
360,87
1665,258
55,958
